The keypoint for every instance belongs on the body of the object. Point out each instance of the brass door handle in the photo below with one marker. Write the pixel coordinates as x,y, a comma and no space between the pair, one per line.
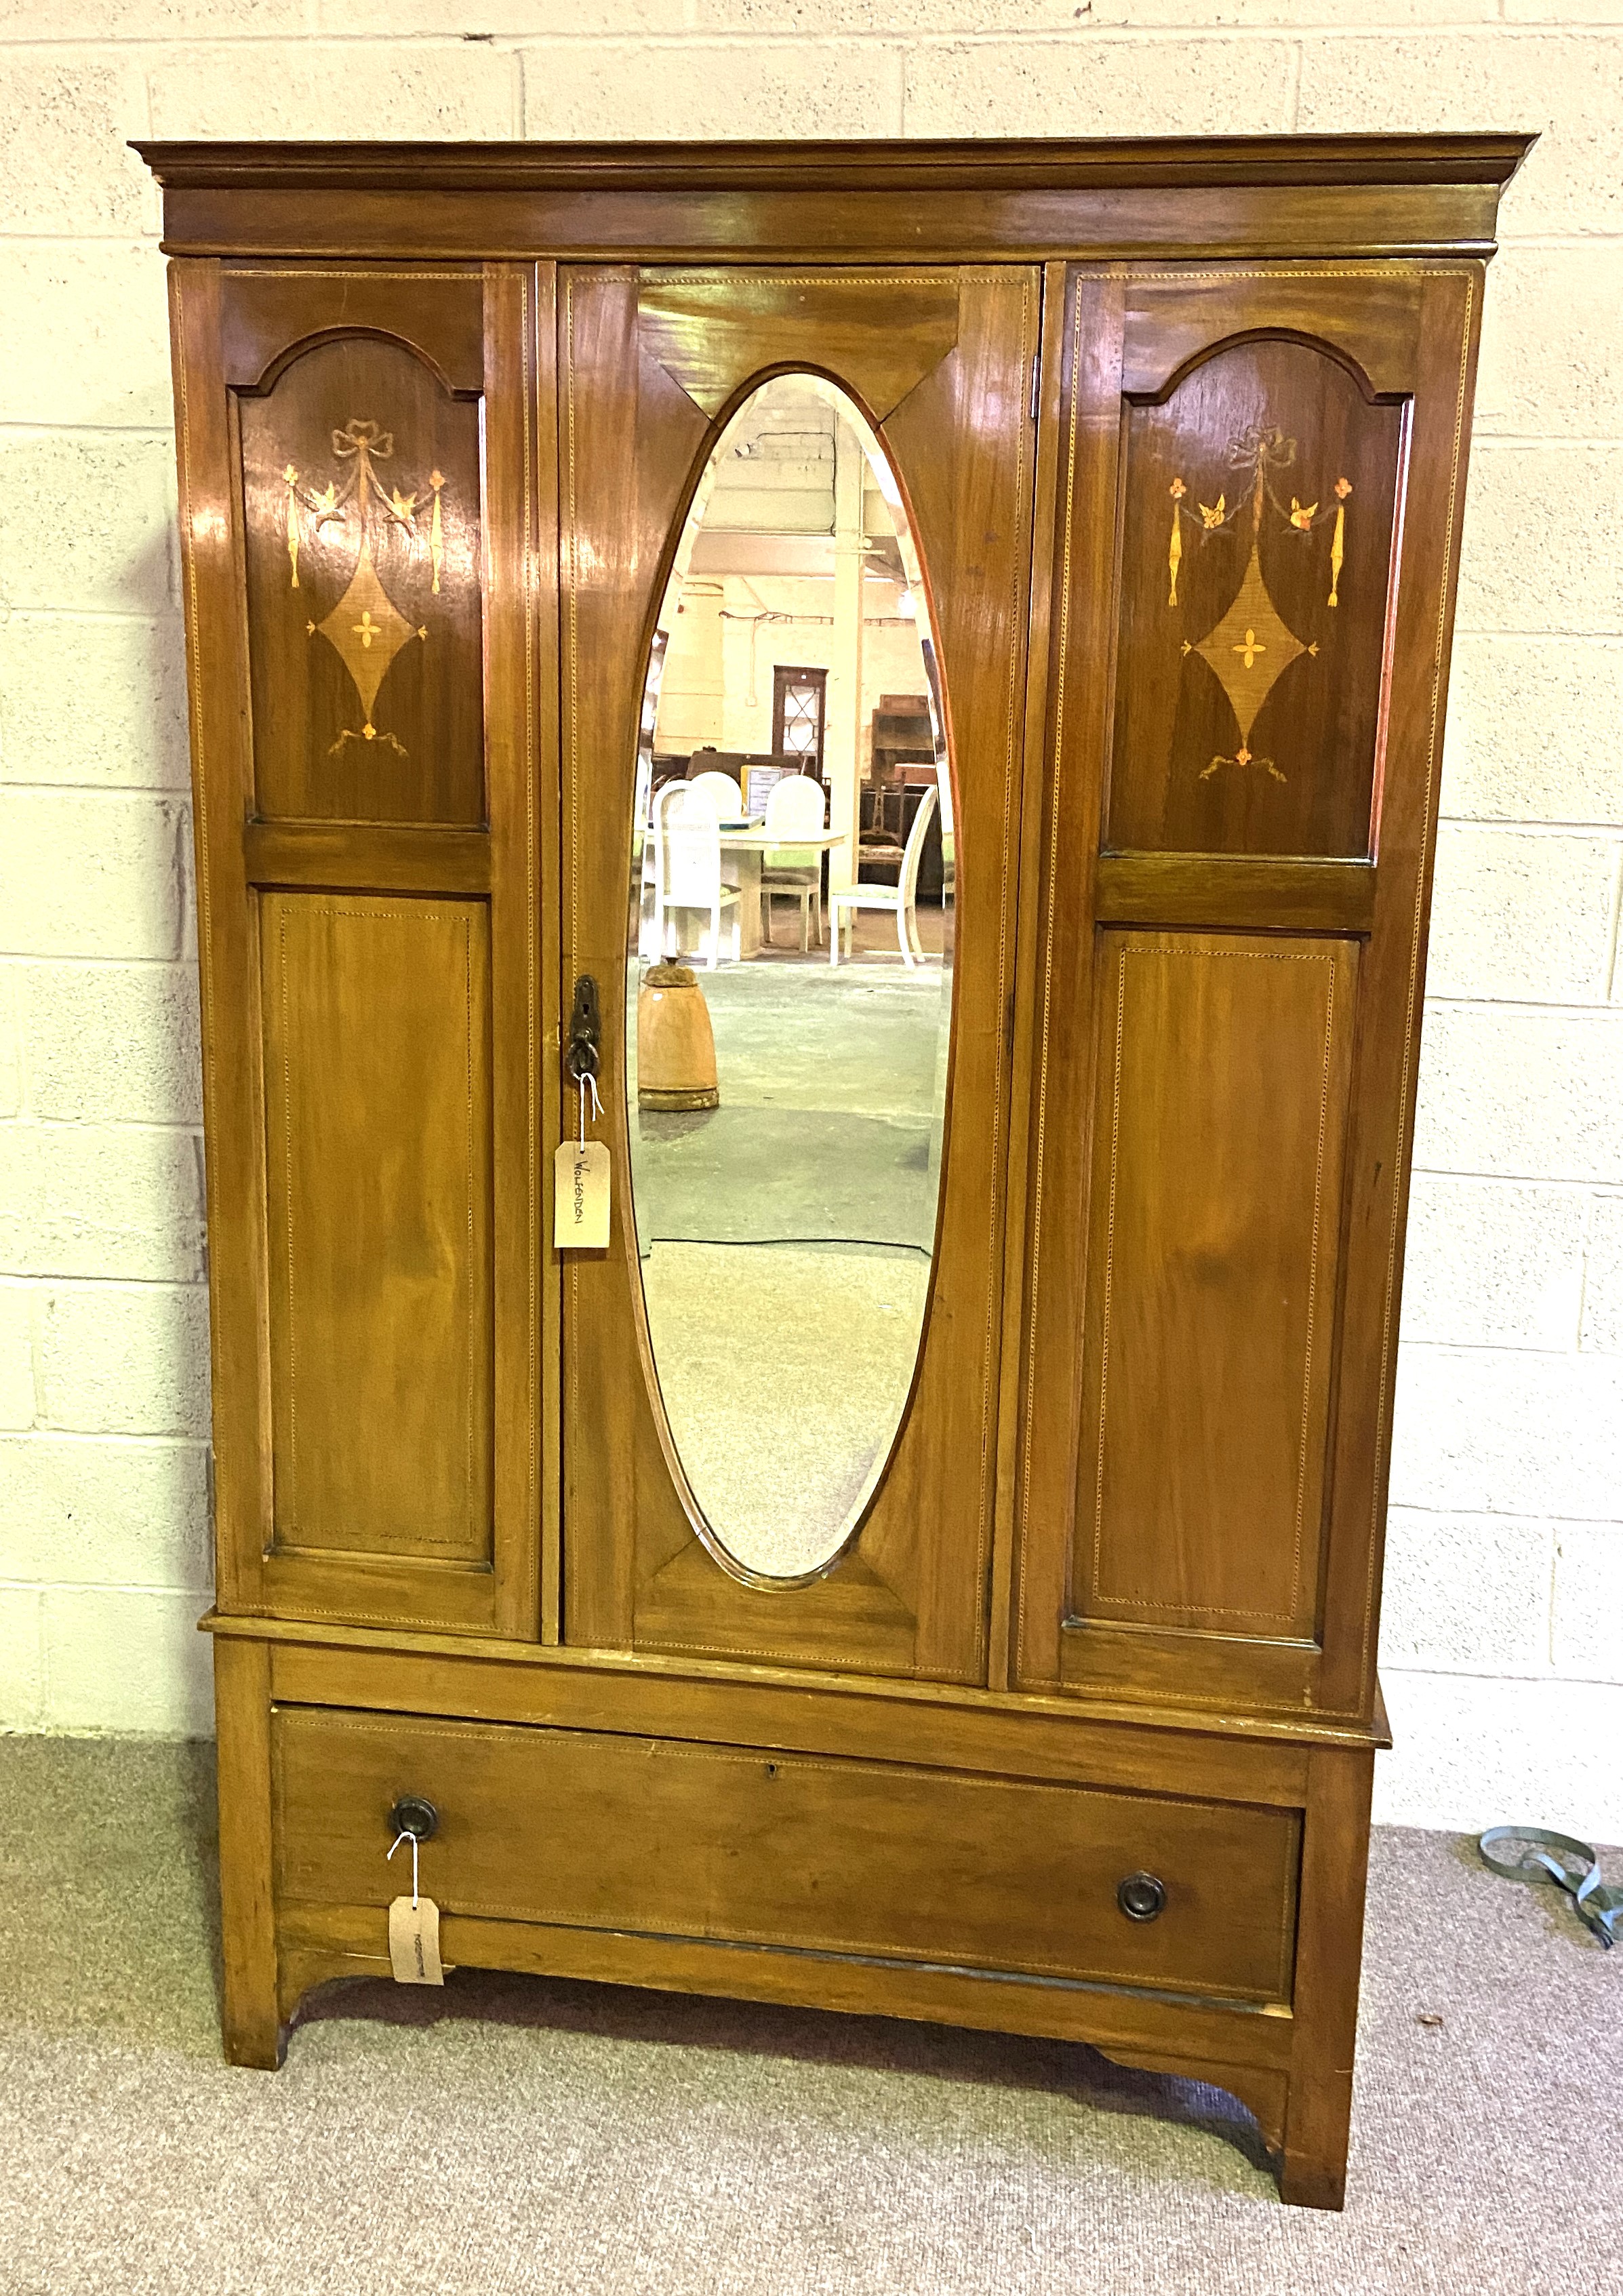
584,1053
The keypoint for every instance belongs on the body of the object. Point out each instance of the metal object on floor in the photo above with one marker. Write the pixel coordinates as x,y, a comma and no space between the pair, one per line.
1598,1905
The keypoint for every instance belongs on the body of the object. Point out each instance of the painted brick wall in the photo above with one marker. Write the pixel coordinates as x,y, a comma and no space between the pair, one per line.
1504,1648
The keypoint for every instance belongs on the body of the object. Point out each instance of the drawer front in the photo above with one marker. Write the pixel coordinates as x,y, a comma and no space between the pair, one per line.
663,1836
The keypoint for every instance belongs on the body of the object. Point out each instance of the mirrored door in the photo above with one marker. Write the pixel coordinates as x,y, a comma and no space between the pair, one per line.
784,1107
791,503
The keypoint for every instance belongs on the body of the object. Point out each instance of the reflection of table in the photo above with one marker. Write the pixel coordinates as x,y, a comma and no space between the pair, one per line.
750,844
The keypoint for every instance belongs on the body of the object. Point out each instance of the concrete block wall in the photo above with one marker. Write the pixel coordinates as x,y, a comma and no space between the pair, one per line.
1504,1647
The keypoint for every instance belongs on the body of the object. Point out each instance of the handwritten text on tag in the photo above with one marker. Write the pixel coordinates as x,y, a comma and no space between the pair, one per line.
581,1196
413,1942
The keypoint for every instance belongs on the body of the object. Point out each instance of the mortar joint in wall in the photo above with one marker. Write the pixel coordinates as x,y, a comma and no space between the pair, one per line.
37,1355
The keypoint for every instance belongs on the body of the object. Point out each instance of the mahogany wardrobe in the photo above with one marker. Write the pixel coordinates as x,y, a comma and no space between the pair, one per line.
926,1560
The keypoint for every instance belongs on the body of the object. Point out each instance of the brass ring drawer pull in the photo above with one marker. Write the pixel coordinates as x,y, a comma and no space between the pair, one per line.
416,1816
1140,1896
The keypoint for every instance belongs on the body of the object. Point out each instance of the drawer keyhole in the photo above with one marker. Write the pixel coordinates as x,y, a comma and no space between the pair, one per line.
1140,1896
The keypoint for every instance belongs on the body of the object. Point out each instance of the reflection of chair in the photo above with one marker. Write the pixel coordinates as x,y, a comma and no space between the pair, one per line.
687,872
844,905
726,798
726,801
794,803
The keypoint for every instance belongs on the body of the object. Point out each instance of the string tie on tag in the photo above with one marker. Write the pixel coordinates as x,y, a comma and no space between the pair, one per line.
394,1845
587,1082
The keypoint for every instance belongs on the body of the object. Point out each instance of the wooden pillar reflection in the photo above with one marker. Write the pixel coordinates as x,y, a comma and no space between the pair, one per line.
842,735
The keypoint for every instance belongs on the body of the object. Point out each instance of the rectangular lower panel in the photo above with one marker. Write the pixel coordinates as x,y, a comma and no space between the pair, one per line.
740,1845
378,1172
1223,1062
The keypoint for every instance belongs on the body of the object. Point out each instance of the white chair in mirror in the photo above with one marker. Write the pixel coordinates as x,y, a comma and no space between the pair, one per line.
796,803
728,799
900,898
692,905
724,792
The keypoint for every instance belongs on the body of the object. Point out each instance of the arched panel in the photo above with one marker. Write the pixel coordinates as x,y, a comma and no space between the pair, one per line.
362,520
1259,520
1369,313
268,311
711,330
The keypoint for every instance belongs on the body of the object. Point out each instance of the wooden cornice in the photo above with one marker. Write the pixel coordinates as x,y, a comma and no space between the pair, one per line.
1187,163
1224,197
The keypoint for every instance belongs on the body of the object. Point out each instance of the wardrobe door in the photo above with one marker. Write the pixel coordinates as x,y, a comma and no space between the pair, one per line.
1260,482
358,507
781,1376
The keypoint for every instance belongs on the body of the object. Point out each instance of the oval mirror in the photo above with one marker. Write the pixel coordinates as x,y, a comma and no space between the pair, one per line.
790,980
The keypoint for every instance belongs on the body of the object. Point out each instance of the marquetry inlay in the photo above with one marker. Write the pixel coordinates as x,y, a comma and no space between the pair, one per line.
365,629
1252,645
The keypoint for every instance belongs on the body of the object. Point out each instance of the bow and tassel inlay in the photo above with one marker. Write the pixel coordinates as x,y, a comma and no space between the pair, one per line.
365,629
1250,649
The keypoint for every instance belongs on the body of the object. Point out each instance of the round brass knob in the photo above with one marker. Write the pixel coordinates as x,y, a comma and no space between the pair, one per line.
1140,1896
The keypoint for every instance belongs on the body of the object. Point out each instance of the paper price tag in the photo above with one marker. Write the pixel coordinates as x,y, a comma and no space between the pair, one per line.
413,1942
581,1196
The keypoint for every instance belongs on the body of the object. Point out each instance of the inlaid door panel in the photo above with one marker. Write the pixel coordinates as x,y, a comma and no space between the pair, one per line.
1258,494
936,362
361,511
363,516
1245,688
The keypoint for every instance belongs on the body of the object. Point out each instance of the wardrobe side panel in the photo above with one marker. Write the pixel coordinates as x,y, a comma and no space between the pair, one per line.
217,680
1219,1154
368,838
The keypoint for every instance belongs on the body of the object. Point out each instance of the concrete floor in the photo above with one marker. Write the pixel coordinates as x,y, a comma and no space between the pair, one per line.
786,1237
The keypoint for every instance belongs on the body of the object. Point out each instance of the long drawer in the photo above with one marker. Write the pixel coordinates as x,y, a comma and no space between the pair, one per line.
681,1839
